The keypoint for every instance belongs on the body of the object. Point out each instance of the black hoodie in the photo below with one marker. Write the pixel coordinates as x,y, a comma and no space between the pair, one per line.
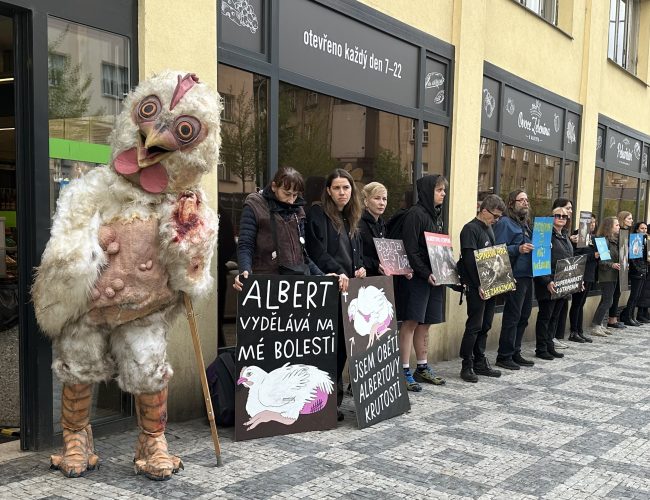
423,216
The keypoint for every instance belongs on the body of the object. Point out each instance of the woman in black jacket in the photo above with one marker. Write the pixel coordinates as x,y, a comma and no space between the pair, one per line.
637,274
334,242
549,308
372,225
578,299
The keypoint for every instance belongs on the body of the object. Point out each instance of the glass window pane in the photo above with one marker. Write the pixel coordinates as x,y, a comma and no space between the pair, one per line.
487,164
642,208
619,194
598,179
569,186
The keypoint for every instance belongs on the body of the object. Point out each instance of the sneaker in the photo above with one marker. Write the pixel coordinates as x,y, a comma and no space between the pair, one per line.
544,355
574,337
559,344
521,361
427,375
508,364
482,367
617,325
411,384
598,331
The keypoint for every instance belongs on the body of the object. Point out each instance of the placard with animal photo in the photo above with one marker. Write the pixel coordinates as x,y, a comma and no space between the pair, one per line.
286,355
623,258
371,340
584,236
494,270
443,264
569,275
392,256
636,245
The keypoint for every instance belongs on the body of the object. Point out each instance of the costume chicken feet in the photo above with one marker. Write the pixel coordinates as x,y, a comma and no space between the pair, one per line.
268,416
78,455
151,455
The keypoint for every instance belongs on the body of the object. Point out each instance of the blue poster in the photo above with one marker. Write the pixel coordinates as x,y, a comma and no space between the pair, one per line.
603,249
636,245
542,231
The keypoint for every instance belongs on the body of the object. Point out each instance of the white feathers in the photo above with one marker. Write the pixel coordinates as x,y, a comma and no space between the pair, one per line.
371,312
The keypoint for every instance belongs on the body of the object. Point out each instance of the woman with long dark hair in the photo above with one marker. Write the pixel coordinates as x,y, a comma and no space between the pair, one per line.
625,222
334,242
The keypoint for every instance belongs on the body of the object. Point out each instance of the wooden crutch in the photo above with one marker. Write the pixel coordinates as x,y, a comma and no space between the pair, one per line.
191,318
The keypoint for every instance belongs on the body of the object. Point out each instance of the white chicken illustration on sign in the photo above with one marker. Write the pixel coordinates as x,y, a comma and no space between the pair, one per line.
285,393
371,313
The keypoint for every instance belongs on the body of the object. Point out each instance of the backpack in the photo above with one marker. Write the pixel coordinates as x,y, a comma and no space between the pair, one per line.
395,224
221,382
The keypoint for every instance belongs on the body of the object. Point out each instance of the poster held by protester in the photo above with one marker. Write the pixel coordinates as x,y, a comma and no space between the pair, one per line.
636,245
372,344
647,246
603,249
286,355
569,275
623,258
584,236
392,256
542,231
443,265
494,270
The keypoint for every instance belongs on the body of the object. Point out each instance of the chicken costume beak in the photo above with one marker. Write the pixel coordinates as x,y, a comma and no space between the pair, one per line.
159,143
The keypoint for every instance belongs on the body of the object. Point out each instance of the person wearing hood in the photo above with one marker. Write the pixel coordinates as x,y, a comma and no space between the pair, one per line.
419,300
256,250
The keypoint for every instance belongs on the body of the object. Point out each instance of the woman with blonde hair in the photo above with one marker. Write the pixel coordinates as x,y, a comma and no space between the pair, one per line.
625,221
372,225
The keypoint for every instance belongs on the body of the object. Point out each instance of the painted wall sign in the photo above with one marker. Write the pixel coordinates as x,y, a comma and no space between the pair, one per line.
572,133
243,24
532,120
600,142
319,43
490,104
436,85
286,355
622,151
644,159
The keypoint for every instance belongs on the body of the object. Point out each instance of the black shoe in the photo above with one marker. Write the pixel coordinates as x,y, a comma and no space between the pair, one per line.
555,354
631,322
574,337
642,319
521,361
585,337
339,415
482,367
468,375
544,355
635,322
508,364
616,325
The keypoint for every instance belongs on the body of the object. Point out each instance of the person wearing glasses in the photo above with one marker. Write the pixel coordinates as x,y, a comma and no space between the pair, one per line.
514,231
475,235
549,306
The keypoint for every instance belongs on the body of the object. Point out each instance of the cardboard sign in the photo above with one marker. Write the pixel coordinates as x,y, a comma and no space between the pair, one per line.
443,265
603,249
569,274
584,235
623,258
371,340
286,355
542,231
636,245
392,256
494,270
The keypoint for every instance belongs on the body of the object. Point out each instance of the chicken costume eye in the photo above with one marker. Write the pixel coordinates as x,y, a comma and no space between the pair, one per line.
187,129
149,108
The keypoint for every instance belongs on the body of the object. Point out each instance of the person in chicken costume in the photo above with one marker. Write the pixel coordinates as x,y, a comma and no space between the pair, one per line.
126,242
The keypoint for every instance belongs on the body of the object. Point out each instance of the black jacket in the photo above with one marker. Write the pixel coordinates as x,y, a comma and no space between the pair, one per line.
561,248
592,263
370,228
423,216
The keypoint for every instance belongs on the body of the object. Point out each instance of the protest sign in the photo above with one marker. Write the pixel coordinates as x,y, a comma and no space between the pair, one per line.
542,231
286,355
647,246
443,265
584,235
569,274
372,344
392,256
636,245
494,270
623,258
603,249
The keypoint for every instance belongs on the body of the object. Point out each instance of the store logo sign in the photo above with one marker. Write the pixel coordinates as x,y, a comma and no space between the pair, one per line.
535,128
241,13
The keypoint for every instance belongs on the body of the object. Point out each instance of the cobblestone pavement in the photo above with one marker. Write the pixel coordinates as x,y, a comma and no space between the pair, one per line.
572,428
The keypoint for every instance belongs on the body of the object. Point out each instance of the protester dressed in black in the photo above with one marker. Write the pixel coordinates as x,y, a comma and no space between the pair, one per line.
475,235
372,225
579,298
637,274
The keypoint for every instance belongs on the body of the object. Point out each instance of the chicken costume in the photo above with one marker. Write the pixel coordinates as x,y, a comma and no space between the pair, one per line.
126,241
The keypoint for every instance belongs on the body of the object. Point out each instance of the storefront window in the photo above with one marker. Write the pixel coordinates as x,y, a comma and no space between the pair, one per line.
598,181
487,165
88,76
620,193
568,187
641,208
536,173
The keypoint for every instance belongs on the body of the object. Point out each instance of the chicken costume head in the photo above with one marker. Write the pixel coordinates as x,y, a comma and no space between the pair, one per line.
126,241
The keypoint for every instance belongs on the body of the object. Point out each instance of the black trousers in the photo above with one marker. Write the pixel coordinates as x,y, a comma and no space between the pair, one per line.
613,309
547,318
480,314
578,301
636,287
341,358
560,328
516,312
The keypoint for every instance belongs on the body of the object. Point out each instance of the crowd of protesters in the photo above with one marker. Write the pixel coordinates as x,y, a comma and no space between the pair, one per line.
279,234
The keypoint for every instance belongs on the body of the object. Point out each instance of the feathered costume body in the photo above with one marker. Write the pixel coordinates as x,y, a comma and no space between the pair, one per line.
125,242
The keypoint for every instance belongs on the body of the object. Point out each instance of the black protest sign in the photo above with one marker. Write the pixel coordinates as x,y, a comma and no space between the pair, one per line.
494,270
569,274
392,256
371,340
286,355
